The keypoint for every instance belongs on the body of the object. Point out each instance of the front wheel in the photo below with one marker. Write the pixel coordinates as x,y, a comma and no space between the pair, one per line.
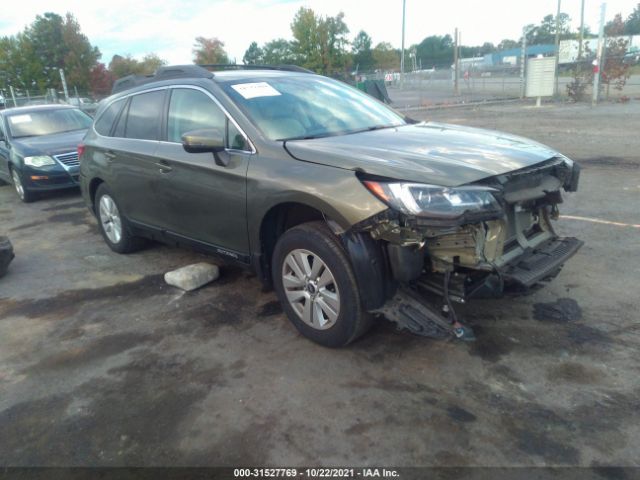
316,286
25,195
113,224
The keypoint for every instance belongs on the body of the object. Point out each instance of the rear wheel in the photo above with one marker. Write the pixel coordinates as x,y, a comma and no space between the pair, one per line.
113,224
316,286
24,194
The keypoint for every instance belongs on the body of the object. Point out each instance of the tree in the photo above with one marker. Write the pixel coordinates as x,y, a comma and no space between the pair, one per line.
209,51
254,55
435,50
508,44
122,66
386,57
32,59
279,52
100,80
614,70
362,53
545,33
632,25
320,42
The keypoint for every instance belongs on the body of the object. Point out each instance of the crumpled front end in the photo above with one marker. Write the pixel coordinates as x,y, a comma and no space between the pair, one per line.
486,254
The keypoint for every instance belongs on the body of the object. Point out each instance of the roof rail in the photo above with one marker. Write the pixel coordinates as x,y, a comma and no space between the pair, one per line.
232,66
162,73
193,71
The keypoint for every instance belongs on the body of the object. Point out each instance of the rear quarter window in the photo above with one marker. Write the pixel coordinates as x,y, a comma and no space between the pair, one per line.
105,122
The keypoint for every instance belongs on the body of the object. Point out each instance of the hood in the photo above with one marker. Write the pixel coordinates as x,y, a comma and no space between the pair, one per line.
434,153
49,144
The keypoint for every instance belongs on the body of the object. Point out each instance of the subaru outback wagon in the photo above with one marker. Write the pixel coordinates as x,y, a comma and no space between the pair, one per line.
346,207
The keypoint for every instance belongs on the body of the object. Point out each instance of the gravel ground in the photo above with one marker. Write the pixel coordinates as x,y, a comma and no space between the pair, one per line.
102,363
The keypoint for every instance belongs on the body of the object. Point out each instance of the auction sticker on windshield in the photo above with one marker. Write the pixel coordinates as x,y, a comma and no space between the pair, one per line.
256,89
15,119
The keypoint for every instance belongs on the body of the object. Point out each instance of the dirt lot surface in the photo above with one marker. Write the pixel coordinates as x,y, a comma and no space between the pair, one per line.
101,363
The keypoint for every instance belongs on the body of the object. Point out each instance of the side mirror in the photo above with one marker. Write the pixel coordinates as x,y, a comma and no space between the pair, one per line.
200,141
207,140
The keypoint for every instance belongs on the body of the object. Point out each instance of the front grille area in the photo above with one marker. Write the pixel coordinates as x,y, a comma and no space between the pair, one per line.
69,159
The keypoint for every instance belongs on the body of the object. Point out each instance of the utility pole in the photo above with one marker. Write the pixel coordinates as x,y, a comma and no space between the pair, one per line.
456,90
13,95
523,60
598,65
581,31
404,5
557,49
64,85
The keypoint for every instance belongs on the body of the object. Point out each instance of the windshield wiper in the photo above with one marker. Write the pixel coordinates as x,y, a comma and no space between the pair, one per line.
341,132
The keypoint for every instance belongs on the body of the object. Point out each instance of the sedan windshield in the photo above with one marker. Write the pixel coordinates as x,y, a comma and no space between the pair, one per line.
47,122
306,106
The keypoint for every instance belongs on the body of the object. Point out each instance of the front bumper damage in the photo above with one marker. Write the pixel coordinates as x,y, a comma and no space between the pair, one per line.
511,253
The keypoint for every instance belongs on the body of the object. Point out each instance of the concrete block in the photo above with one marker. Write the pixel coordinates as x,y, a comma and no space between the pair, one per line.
192,276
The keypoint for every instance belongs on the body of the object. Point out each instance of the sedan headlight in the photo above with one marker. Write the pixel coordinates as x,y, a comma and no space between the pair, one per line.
433,201
39,161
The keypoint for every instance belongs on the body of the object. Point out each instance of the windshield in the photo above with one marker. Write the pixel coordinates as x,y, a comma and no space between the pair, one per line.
47,122
305,106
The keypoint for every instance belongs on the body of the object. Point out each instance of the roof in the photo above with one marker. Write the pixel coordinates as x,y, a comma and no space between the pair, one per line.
36,108
213,71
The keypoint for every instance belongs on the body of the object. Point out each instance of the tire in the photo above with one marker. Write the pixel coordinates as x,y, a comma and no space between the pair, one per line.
25,195
326,309
112,224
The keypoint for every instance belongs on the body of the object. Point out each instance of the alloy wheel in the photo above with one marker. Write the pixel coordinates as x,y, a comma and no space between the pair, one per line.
17,183
110,219
311,289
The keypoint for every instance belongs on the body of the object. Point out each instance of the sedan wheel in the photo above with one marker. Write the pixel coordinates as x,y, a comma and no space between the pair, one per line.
17,183
110,219
311,289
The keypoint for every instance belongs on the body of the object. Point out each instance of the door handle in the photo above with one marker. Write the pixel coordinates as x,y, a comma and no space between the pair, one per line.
163,167
110,154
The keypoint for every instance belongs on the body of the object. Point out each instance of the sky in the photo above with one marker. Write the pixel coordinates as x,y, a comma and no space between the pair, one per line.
169,27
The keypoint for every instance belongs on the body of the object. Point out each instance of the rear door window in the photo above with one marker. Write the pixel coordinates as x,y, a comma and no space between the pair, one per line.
145,113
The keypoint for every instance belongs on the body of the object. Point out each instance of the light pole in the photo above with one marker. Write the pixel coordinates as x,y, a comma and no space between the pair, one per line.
404,5
557,49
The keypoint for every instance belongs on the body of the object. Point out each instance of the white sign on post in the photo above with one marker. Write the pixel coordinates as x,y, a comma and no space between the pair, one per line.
541,75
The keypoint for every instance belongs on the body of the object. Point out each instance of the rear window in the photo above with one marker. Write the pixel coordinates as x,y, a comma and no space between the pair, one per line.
143,119
105,122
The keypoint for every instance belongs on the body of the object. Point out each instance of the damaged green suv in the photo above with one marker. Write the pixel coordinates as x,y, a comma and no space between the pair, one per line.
343,205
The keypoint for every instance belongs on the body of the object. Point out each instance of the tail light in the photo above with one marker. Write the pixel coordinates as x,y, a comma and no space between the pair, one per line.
80,151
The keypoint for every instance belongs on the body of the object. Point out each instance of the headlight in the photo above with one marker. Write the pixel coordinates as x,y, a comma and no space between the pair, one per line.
433,201
39,161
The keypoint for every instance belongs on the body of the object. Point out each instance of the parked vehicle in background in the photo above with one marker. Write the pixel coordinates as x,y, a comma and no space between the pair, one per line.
342,204
3,102
85,104
39,147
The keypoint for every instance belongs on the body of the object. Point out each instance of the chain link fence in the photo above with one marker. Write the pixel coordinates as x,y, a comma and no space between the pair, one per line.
15,97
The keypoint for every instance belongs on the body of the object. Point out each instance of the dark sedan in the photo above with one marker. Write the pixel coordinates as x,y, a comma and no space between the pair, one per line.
39,148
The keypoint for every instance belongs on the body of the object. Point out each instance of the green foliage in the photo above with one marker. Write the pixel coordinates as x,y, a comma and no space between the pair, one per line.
435,51
507,44
386,57
122,66
615,71
545,32
254,55
279,52
209,51
32,59
632,24
362,52
320,42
